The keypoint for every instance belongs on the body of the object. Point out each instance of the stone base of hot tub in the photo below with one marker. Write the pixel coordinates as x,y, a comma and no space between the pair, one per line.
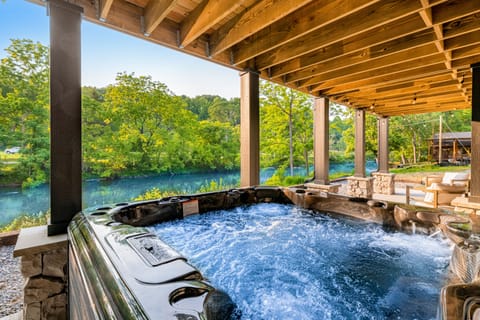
44,265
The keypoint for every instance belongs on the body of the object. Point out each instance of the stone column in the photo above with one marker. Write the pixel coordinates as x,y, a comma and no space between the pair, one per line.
359,185
44,267
249,129
65,114
475,157
321,140
383,182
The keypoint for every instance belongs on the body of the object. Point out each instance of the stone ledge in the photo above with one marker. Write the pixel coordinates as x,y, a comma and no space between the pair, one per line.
332,188
8,238
36,240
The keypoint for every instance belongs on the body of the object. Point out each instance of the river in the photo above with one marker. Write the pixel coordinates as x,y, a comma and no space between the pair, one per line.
15,201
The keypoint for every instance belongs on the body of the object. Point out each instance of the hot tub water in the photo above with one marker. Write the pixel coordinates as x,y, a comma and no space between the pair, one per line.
283,262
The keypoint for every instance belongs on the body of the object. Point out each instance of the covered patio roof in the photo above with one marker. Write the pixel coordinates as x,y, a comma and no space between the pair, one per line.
393,57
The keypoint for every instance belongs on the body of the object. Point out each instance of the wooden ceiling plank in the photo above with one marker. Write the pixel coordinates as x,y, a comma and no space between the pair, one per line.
308,19
461,26
375,42
427,109
364,70
258,17
464,40
464,62
424,71
346,65
105,6
209,14
466,52
399,93
357,23
452,10
155,12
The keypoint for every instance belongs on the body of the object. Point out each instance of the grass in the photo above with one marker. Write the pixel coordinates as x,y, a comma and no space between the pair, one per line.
429,168
26,221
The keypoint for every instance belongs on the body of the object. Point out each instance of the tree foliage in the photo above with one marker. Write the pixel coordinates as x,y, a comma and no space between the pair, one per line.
136,126
286,126
24,106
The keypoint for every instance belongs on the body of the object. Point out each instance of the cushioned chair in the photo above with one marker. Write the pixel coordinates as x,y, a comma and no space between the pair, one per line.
441,190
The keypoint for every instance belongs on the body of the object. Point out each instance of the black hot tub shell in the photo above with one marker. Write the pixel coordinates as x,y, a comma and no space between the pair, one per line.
119,270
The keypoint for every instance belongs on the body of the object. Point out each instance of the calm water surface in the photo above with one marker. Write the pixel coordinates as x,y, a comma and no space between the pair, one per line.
282,262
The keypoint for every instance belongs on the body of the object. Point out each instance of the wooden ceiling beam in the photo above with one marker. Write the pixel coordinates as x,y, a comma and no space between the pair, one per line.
461,26
462,41
104,9
308,19
410,90
425,109
385,79
364,71
464,62
452,10
465,52
208,14
155,12
261,15
345,66
359,22
367,45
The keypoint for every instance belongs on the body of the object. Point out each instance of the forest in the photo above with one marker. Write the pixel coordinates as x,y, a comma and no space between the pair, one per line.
137,126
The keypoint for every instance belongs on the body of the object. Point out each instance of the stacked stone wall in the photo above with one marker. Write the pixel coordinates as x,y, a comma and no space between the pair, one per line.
45,271
359,187
384,183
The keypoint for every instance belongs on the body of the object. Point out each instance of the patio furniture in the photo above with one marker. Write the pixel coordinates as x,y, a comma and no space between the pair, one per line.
441,190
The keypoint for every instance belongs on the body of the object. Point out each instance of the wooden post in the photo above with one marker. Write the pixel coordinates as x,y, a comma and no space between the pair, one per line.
382,155
360,143
249,129
321,140
475,145
65,114
440,141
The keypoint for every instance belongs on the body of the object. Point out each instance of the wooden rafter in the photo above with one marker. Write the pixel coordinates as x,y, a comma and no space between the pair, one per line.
361,21
104,7
312,17
261,15
155,12
206,16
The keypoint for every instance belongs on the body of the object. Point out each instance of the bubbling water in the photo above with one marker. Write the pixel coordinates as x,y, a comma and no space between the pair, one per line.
283,262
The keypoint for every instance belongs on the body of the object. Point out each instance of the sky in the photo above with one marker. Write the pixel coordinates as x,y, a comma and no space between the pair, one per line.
106,52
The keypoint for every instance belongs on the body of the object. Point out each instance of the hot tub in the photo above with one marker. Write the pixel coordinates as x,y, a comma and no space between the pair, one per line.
121,268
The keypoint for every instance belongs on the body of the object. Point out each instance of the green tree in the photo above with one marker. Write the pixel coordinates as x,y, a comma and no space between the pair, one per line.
24,105
286,125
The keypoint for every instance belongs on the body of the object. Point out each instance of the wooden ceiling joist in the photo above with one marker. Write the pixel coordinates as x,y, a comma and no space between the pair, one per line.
261,15
313,17
380,41
208,14
156,12
104,9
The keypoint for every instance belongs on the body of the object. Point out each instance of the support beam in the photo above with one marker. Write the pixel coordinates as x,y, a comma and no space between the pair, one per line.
359,143
475,157
249,129
65,114
156,12
382,155
321,140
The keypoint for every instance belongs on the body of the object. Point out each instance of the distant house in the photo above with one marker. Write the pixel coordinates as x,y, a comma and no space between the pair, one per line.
456,147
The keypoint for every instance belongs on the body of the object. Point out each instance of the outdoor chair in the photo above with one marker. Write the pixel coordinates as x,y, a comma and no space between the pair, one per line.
441,190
